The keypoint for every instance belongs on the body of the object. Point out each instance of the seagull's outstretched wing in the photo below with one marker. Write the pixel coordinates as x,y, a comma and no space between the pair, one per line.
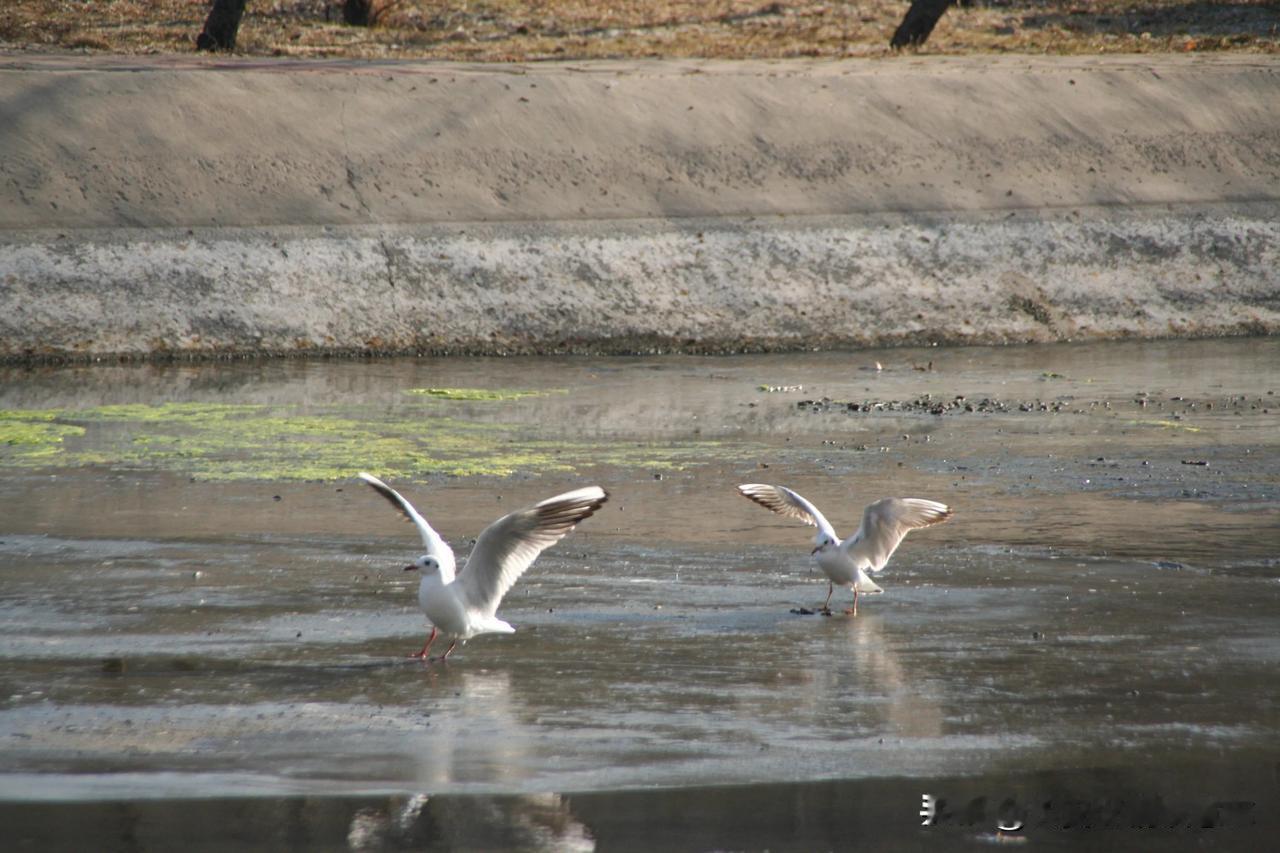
434,542
508,546
885,523
783,501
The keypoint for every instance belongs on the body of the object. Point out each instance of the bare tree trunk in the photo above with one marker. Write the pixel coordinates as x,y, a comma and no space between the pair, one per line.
220,27
918,23
358,13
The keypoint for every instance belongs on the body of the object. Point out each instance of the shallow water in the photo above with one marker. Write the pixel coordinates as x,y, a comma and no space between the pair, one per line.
192,609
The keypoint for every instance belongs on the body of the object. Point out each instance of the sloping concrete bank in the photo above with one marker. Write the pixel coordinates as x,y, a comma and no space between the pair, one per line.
184,208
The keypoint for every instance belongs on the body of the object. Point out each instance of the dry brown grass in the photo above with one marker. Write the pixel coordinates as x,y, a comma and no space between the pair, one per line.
527,30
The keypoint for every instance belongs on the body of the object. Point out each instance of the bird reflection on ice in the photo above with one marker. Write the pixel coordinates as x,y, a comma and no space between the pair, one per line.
907,712
475,737
867,692
529,822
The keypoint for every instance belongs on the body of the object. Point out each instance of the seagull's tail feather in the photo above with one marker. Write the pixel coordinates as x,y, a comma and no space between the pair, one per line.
493,625
865,585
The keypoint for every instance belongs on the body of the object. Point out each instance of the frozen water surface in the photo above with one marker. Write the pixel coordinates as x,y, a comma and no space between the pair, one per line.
204,620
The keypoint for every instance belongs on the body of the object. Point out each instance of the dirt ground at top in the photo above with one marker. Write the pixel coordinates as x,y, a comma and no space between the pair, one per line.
531,30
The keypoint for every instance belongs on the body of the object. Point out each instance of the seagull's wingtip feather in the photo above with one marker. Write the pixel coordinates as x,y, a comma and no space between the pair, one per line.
930,512
586,493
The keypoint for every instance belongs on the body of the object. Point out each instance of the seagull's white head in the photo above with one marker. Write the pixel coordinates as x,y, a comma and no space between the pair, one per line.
822,542
426,564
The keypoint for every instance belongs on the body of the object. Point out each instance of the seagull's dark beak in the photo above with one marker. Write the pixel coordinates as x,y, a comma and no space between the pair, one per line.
410,568
816,549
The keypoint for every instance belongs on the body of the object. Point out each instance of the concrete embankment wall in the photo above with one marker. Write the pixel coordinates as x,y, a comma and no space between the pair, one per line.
168,207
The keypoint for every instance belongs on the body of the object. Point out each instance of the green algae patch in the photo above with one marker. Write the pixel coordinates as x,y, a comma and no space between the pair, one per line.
228,442
1166,424
480,394
221,442
32,437
330,448
258,443
164,412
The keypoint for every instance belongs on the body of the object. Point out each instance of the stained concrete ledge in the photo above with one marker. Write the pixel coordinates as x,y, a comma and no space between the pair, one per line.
183,208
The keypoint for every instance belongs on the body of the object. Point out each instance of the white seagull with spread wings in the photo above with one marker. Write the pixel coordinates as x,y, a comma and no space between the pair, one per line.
464,604
884,525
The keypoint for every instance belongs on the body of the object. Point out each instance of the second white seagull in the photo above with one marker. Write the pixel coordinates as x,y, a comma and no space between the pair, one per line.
463,604
884,525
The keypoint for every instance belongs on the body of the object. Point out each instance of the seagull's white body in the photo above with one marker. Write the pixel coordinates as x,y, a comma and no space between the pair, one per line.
445,607
885,524
843,570
462,604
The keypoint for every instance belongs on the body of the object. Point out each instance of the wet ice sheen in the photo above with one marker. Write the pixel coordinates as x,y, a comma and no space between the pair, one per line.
170,637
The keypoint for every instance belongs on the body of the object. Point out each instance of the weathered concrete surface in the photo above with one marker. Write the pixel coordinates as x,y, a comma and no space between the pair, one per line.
185,208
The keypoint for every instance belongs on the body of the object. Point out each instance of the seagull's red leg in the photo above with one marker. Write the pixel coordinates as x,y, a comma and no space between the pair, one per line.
431,639
826,605
449,651
854,611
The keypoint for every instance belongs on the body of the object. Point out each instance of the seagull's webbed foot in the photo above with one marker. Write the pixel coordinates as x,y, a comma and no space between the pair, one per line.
825,611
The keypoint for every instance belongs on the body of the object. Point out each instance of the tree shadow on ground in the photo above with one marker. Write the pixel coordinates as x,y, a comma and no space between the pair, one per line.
1202,18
